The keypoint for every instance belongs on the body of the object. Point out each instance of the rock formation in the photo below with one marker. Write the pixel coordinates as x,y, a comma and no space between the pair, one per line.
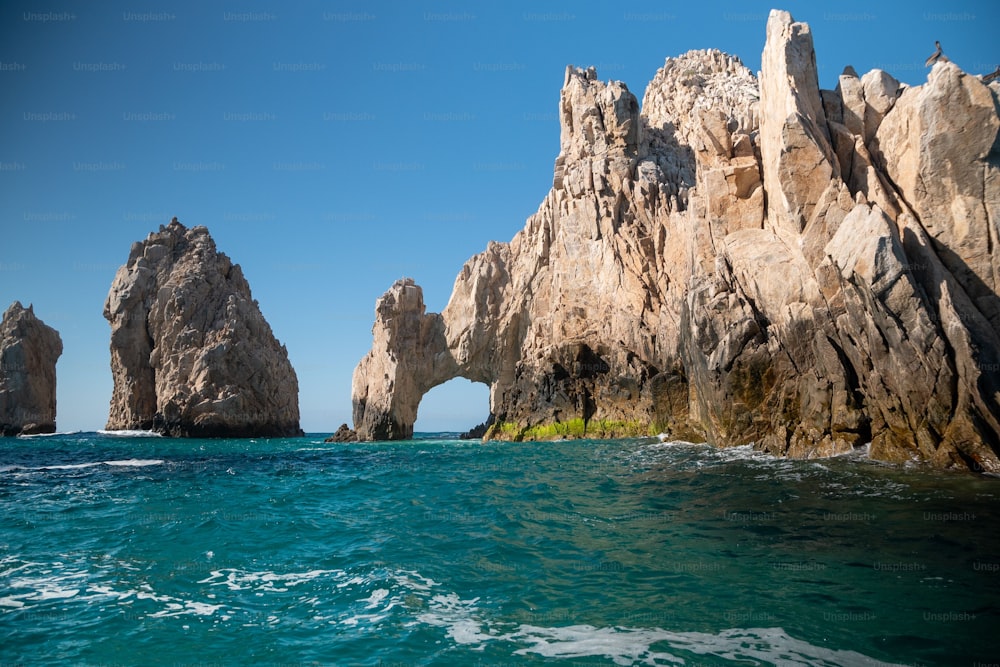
743,261
191,354
343,434
29,350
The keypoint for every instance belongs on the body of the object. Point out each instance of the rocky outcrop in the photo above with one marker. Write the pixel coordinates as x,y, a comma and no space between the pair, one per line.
29,350
191,353
343,434
409,356
478,431
743,261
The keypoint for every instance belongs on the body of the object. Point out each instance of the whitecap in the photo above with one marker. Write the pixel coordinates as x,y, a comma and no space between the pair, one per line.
459,618
131,433
71,466
238,580
627,646
137,463
55,594
376,598
187,607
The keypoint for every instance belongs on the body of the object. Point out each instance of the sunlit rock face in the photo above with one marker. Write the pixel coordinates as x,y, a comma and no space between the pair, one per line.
191,353
29,350
741,261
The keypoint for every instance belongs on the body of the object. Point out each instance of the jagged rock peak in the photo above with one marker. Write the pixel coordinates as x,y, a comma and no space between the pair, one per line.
597,120
191,353
701,79
29,350
698,98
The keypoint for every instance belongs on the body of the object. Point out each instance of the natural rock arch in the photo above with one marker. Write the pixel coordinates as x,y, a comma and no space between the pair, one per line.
742,262
409,357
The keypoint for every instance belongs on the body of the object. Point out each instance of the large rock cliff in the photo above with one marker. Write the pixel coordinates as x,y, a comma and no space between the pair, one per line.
29,350
743,261
191,354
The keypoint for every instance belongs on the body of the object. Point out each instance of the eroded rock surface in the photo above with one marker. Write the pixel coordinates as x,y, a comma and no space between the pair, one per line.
742,261
191,353
29,350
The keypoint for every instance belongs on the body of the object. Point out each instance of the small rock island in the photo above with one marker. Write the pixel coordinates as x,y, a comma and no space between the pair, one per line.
191,353
29,350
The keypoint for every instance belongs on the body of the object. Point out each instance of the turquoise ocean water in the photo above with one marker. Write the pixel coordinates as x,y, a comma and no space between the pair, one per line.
149,551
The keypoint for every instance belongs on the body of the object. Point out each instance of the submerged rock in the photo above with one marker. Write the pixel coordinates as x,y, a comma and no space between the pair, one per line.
29,350
741,262
191,353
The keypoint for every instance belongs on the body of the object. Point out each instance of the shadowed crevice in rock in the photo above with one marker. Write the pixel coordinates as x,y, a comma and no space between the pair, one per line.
741,262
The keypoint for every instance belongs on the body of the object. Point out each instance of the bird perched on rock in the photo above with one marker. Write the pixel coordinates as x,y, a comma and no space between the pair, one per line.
937,57
174,220
992,75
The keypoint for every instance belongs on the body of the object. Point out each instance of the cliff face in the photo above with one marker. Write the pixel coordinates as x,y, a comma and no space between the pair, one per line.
29,350
743,261
191,354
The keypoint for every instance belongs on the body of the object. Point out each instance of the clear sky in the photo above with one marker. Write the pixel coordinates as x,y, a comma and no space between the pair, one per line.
333,147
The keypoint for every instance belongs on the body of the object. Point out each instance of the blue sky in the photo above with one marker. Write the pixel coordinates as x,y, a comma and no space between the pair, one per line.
333,147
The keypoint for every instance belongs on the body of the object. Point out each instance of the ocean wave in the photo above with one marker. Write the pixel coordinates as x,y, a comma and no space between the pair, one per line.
371,595
129,433
70,466
627,646
266,580
119,463
466,624
49,435
135,463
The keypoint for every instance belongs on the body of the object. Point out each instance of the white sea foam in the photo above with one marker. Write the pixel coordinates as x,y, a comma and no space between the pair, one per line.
379,591
414,580
628,646
187,607
35,583
459,617
49,435
123,463
131,433
376,598
135,463
238,580
465,623
71,466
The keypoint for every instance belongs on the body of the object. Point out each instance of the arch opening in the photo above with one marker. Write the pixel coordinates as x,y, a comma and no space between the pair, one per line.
455,406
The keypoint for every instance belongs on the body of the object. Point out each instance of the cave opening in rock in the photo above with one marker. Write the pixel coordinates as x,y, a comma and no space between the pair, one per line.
453,407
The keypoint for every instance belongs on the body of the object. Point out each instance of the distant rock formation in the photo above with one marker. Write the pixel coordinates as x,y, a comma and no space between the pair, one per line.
191,353
29,350
743,261
478,431
343,434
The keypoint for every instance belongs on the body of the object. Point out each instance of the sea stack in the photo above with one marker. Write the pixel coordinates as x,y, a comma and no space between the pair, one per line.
191,353
743,261
29,350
